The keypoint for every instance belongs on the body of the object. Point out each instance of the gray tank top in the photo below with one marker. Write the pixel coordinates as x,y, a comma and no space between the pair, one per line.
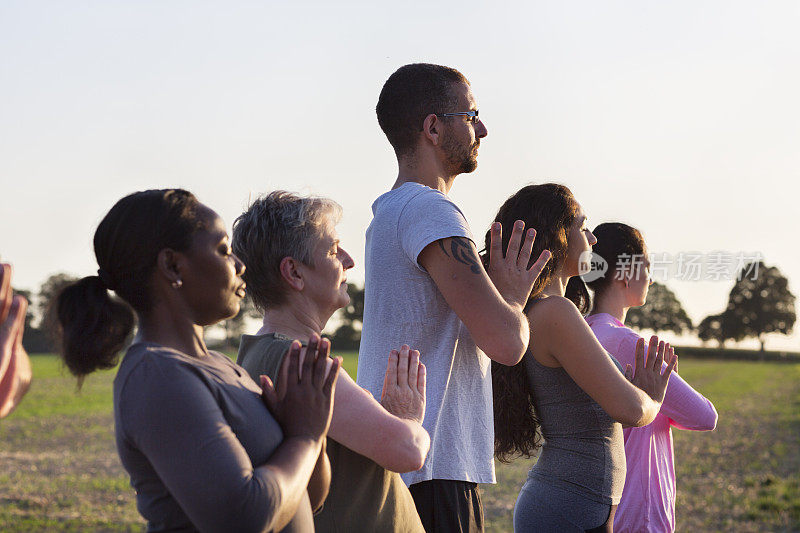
583,450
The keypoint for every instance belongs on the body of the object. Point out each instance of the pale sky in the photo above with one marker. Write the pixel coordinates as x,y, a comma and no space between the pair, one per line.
680,118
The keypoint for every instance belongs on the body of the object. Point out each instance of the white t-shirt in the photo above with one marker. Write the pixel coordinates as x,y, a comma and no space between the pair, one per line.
403,306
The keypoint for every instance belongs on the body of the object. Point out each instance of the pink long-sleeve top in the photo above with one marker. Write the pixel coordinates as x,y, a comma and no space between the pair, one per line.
648,498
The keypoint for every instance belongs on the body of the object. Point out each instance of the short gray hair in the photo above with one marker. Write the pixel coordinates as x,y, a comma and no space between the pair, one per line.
277,225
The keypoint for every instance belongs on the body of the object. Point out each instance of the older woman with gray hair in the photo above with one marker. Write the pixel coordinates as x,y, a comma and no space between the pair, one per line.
296,276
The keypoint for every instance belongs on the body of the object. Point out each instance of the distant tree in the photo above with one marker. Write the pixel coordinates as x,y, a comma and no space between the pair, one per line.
233,328
51,288
348,335
353,313
42,337
33,339
761,305
662,312
715,327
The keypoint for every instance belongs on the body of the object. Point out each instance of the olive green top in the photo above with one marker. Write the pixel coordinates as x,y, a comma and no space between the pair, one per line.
363,496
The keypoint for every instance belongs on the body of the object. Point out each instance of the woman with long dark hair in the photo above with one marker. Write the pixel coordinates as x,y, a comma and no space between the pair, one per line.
648,499
567,388
202,449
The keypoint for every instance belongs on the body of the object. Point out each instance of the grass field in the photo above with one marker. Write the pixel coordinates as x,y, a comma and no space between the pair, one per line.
60,470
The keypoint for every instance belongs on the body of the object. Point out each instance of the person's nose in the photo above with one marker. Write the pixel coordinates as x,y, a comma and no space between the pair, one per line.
347,261
480,130
592,239
240,268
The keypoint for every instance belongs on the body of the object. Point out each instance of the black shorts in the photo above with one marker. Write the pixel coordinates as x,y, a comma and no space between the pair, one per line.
448,506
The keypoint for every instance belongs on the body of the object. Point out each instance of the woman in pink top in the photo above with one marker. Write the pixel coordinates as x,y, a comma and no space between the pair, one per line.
648,498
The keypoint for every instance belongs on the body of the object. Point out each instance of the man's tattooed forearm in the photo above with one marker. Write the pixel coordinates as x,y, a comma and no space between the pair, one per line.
461,251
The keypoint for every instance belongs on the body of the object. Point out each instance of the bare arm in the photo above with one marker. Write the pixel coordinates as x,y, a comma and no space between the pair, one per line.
390,434
15,367
290,468
564,339
491,308
17,379
320,482
360,423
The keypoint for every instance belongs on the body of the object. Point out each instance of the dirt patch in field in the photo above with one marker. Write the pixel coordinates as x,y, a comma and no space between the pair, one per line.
63,473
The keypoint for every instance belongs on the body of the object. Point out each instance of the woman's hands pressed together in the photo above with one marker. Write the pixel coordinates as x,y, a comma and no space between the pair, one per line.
302,400
647,374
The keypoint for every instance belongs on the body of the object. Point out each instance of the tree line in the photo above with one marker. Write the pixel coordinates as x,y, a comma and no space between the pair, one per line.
757,305
755,308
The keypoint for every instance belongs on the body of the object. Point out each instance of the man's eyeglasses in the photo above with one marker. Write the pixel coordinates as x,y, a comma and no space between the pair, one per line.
473,115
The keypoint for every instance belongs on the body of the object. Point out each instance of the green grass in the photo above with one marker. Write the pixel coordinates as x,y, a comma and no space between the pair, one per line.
350,362
732,354
60,469
745,475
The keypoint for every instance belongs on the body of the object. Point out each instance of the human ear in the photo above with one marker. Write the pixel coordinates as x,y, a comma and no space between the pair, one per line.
430,128
169,264
291,273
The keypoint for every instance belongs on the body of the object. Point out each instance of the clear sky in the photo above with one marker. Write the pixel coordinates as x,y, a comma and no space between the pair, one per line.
681,118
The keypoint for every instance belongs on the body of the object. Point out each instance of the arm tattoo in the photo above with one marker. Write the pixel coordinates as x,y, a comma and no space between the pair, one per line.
461,251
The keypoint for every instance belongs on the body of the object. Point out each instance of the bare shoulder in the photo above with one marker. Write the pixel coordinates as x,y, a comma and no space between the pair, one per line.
550,318
563,333
554,311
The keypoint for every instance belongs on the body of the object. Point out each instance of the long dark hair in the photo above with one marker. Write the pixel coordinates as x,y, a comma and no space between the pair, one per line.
92,326
551,210
615,240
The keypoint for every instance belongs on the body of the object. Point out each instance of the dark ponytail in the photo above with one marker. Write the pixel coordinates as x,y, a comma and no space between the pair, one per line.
615,241
551,209
578,294
93,325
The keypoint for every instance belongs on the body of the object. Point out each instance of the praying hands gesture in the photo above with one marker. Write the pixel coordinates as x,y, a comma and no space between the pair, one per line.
647,374
15,367
302,399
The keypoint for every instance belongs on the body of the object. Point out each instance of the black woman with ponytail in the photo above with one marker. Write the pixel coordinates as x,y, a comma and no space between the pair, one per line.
207,449
567,391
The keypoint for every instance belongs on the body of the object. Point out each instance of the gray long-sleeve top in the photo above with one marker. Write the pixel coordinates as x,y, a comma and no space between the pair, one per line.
190,432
